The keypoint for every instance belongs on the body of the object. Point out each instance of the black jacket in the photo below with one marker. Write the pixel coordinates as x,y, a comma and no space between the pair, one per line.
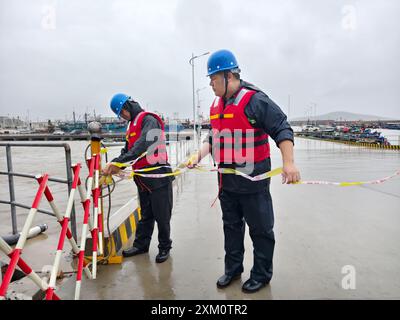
264,114
140,146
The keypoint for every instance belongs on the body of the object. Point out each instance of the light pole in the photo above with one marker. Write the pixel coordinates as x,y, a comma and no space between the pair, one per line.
198,112
191,61
314,111
197,92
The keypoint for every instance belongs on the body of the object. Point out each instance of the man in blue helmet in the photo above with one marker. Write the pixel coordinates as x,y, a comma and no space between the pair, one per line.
145,139
242,118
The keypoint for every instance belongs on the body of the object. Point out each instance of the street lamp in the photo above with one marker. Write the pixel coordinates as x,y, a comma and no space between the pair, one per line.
198,112
191,61
314,111
197,92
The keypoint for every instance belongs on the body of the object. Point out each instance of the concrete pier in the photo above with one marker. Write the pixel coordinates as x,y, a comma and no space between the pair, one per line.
324,236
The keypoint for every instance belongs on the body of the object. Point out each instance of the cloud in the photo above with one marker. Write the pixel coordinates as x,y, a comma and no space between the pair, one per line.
342,55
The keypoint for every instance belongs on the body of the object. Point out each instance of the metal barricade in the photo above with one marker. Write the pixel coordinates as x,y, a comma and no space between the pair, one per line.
11,174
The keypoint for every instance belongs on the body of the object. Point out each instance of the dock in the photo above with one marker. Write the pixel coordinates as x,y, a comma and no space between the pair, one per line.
321,232
119,136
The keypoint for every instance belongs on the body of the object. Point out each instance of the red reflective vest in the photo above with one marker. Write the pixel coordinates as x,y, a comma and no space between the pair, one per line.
235,140
157,155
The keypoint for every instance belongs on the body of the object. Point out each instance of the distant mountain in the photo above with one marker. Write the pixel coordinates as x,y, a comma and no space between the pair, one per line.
341,116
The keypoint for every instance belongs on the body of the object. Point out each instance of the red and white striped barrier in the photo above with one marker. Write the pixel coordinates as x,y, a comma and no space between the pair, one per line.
100,211
15,254
59,217
54,208
94,224
25,268
85,199
100,226
96,195
65,222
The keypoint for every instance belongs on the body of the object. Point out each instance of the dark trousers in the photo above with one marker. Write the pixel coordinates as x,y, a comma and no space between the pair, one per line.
256,210
156,206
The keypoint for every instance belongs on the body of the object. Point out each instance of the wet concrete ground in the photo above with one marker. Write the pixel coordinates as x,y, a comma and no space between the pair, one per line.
319,230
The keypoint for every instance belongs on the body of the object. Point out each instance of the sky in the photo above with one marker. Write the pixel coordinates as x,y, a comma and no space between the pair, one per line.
61,56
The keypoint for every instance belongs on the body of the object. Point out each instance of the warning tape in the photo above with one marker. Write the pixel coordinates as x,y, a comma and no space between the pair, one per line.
349,184
180,170
278,171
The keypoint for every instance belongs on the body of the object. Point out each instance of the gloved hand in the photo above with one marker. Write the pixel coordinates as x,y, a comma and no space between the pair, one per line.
192,162
110,169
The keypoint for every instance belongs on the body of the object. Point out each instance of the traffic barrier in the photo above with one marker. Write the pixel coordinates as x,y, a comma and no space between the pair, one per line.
63,234
26,269
16,253
56,211
94,225
96,196
85,199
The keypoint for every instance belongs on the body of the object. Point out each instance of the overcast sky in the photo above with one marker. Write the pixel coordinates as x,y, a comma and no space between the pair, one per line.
65,55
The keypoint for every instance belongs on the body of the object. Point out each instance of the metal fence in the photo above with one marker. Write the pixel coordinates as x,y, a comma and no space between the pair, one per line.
11,185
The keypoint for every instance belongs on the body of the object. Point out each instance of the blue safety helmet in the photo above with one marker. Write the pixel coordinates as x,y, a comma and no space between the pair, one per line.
117,102
221,60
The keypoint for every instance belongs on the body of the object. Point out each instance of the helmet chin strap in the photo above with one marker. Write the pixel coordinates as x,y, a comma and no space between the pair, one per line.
226,84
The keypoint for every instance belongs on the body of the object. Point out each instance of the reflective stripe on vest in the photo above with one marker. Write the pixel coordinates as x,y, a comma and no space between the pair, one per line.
222,116
216,102
240,96
130,135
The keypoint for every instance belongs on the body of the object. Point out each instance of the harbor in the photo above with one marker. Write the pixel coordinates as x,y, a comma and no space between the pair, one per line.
198,157
355,135
110,137
319,230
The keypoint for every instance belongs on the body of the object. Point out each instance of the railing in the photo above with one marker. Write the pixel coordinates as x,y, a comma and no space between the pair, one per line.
11,174
393,139
179,150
